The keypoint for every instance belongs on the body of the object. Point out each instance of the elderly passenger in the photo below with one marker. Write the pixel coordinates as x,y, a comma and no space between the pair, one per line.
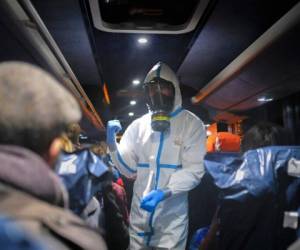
34,111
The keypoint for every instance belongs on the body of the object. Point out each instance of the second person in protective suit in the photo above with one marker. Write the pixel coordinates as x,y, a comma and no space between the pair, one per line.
164,151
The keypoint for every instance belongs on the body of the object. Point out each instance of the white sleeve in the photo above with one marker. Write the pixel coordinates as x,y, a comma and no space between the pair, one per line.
192,155
125,157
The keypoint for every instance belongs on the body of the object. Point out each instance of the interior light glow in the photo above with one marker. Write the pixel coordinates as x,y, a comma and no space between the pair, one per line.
105,93
142,40
132,102
136,82
131,114
264,99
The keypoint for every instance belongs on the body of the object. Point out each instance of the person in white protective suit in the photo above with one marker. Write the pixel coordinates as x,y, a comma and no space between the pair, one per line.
164,151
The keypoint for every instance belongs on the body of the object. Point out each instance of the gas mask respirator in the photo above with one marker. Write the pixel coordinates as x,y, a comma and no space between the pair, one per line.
160,95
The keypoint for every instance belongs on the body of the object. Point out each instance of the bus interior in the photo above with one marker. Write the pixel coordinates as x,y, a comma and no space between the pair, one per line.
238,62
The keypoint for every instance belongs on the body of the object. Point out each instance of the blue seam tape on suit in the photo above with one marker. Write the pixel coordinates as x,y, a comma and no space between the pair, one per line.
124,164
143,165
176,112
143,234
147,165
161,141
170,166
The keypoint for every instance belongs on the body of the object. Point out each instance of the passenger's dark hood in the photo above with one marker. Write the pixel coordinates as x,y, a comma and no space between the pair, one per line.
28,172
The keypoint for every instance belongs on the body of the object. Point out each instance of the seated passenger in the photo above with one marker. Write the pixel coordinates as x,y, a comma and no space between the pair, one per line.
113,197
264,134
83,173
34,111
117,183
89,183
255,189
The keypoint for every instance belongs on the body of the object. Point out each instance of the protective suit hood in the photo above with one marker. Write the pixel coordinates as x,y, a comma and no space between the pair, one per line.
162,70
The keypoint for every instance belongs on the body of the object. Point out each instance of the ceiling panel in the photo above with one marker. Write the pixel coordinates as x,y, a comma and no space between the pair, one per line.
65,22
273,73
231,28
234,91
276,92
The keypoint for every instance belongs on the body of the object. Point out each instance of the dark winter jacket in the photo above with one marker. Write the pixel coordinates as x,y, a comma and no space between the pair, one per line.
33,196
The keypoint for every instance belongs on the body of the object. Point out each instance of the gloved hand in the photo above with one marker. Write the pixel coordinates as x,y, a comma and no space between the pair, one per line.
198,238
150,201
113,127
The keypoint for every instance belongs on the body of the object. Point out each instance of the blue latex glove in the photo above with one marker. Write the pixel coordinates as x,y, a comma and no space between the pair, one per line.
113,127
150,201
198,237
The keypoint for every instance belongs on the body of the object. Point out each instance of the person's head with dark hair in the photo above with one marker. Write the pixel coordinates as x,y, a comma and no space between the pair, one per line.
264,134
34,108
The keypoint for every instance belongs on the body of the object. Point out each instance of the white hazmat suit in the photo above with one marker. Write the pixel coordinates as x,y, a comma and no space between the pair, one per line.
175,160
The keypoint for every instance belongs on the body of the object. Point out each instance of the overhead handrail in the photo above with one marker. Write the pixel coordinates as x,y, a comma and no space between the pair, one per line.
33,29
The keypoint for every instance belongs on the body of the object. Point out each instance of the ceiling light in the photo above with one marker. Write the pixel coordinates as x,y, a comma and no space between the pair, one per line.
142,40
136,82
131,114
132,102
264,99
